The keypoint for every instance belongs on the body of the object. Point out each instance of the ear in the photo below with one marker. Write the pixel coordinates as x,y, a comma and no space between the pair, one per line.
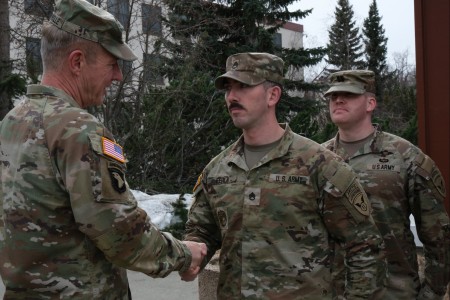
76,61
371,103
273,95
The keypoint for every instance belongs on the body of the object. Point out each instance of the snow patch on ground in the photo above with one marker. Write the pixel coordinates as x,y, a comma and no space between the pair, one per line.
159,207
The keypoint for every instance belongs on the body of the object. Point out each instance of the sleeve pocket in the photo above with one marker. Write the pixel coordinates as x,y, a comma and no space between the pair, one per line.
111,174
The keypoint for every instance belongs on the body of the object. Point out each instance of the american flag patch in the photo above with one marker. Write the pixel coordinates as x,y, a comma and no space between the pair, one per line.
112,149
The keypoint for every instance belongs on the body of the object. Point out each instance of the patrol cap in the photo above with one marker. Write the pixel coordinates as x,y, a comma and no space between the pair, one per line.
252,68
352,81
90,22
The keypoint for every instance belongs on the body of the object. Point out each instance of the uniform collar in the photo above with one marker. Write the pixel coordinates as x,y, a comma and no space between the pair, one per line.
374,145
236,154
44,90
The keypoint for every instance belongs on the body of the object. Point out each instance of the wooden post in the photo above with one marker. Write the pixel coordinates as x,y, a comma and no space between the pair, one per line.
432,26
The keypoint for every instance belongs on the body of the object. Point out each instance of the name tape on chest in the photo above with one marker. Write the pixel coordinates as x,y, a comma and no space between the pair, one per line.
383,167
289,178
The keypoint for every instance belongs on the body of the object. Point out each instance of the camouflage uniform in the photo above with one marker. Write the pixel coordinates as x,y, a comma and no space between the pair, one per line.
70,223
274,222
400,180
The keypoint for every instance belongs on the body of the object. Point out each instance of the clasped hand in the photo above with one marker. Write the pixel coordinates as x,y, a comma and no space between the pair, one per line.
198,251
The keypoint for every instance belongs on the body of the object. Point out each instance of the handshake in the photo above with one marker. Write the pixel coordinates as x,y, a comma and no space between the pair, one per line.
198,251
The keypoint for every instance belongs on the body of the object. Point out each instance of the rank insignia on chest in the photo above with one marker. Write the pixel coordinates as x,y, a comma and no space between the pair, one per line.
252,196
112,149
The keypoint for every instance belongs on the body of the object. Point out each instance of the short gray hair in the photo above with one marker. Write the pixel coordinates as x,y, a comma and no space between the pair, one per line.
56,44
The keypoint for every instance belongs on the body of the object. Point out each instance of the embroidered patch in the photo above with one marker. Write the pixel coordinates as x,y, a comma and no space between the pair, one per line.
252,196
383,167
117,179
357,199
112,149
223,218
197,184
221,180
289,178
438,181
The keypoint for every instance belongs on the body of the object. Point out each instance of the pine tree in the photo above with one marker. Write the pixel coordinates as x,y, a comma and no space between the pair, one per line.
180,217
189,114
344,46
375,44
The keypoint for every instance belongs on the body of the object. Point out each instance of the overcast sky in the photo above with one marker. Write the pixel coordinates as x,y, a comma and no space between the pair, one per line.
397,18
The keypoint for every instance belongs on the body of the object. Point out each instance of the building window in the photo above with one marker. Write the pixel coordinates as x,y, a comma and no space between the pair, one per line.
121,10
33,57
277,40
43,8
151,19
152,69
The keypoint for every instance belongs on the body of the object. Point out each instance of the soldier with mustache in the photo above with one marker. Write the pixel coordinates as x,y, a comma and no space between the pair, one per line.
274,202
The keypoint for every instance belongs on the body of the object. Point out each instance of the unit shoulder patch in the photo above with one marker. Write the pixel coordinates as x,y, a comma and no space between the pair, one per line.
117,179
197,184
358,199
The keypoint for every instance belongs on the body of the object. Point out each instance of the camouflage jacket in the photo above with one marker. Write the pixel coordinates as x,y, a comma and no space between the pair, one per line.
70,224
274,222
401,180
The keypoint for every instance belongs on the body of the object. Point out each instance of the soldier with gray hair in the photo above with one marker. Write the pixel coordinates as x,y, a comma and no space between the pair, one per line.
273,201
70,226
399,180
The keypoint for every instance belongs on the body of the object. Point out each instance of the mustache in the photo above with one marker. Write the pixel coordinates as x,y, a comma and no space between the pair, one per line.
235,105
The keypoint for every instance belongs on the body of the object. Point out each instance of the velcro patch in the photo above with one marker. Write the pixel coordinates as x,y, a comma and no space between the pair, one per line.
383,167
289,178
112,149
252,196
117,179
197,184
438,181
223,218
358,199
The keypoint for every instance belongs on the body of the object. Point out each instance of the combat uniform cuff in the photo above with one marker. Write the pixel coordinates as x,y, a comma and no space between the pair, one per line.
187,259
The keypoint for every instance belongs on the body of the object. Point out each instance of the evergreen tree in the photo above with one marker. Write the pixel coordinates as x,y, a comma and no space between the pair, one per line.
180,216
345,45
375,44
186,122
397,113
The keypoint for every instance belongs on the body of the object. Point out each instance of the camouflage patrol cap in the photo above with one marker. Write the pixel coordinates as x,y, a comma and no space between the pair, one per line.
352,81
90,22
252,68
